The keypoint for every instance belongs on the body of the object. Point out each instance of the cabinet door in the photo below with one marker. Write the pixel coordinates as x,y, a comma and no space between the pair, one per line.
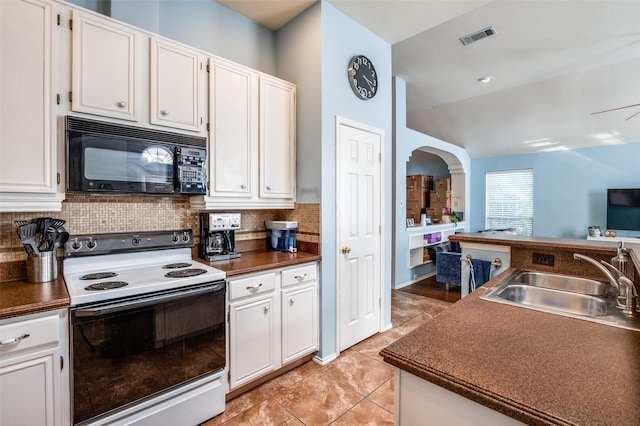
104,67
233,107
175,72
277,138
252,340
299,322
28,387
27,143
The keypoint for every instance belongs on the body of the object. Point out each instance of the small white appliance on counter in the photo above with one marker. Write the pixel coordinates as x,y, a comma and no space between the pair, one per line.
218,236
281,235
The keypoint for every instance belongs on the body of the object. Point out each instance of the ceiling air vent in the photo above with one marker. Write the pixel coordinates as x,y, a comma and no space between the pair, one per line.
471,38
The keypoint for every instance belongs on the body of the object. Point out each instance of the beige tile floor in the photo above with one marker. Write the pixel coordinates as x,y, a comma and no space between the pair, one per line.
354,389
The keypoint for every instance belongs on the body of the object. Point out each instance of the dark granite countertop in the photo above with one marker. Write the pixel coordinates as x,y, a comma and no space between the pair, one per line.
18,297
520,241
538,368
261,260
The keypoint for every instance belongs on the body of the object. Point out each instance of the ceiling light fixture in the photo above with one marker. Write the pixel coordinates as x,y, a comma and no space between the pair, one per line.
485,80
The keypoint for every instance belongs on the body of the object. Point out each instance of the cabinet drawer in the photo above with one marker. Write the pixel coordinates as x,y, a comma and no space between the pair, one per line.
299,275
250,286
40,331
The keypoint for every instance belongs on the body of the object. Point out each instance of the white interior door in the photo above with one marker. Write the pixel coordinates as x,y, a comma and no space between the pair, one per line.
359,232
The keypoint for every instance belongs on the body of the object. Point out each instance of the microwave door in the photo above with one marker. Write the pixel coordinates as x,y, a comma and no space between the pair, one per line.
121,165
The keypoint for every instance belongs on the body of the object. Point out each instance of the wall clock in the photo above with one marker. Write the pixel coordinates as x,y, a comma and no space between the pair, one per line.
362,77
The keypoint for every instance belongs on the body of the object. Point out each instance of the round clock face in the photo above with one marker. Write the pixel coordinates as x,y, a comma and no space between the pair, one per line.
362,77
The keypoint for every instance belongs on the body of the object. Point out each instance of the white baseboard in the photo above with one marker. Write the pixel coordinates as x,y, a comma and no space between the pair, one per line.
326,360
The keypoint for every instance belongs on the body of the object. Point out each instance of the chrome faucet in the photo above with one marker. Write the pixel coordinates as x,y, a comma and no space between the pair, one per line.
631,294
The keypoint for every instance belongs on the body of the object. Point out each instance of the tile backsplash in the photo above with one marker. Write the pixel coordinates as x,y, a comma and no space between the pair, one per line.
128,213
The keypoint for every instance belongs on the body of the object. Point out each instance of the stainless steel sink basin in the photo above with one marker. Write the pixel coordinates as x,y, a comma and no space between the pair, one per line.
574,303
564,295
562,282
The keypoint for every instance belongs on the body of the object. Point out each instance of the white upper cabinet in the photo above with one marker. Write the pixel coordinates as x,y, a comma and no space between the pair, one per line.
252,139
175,85
277,138
104,69
233,108
28,149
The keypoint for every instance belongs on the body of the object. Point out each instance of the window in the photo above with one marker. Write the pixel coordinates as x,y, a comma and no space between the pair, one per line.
509,200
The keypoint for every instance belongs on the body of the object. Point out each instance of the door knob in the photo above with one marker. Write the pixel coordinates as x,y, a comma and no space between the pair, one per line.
346,250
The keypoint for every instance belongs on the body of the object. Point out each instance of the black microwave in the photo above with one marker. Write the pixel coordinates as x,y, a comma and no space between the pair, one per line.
107,157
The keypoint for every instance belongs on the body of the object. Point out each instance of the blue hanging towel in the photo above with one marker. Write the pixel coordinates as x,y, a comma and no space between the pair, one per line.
481,273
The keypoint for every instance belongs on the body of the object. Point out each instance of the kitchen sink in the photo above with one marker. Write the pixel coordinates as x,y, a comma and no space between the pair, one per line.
574,303
562,282
565,295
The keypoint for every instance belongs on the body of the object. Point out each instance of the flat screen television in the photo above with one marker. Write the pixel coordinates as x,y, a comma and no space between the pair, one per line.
623,209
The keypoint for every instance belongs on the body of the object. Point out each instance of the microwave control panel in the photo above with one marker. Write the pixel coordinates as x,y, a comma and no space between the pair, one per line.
191,164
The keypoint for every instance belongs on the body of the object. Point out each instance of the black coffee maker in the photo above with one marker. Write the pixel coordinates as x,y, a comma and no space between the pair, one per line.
217,235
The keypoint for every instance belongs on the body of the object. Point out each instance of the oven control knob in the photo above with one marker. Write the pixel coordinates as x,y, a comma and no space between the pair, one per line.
175,238
185,237
91,244
76,245
136,241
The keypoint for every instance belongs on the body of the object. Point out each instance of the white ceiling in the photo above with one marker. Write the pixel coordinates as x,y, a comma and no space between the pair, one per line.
553,63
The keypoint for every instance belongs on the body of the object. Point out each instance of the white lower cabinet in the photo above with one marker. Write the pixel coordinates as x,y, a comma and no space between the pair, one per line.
34,389
299,322
273,320
253,327
299,304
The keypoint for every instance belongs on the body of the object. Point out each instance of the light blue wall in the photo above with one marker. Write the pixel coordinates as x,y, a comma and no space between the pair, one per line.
213,28
569,187
301,38
342,38
406,141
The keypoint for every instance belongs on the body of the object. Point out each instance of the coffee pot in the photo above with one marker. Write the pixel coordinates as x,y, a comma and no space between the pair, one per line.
215,242
217,235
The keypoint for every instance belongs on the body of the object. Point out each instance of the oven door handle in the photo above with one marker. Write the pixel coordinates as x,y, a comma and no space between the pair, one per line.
146,301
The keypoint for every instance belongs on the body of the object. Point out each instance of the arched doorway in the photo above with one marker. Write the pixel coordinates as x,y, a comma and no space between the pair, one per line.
439,164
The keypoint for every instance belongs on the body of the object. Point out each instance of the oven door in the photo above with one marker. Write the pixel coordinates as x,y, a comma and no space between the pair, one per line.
127,350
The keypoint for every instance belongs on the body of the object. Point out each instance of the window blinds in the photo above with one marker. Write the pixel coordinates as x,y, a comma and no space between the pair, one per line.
509,200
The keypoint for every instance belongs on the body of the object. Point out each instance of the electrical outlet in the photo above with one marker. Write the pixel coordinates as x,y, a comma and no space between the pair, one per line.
543,259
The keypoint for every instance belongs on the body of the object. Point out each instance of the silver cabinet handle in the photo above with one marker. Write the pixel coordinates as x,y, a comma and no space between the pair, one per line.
266,309
122,104
298,277
292,301
14,339
243,186
268,187
254,287
164,112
